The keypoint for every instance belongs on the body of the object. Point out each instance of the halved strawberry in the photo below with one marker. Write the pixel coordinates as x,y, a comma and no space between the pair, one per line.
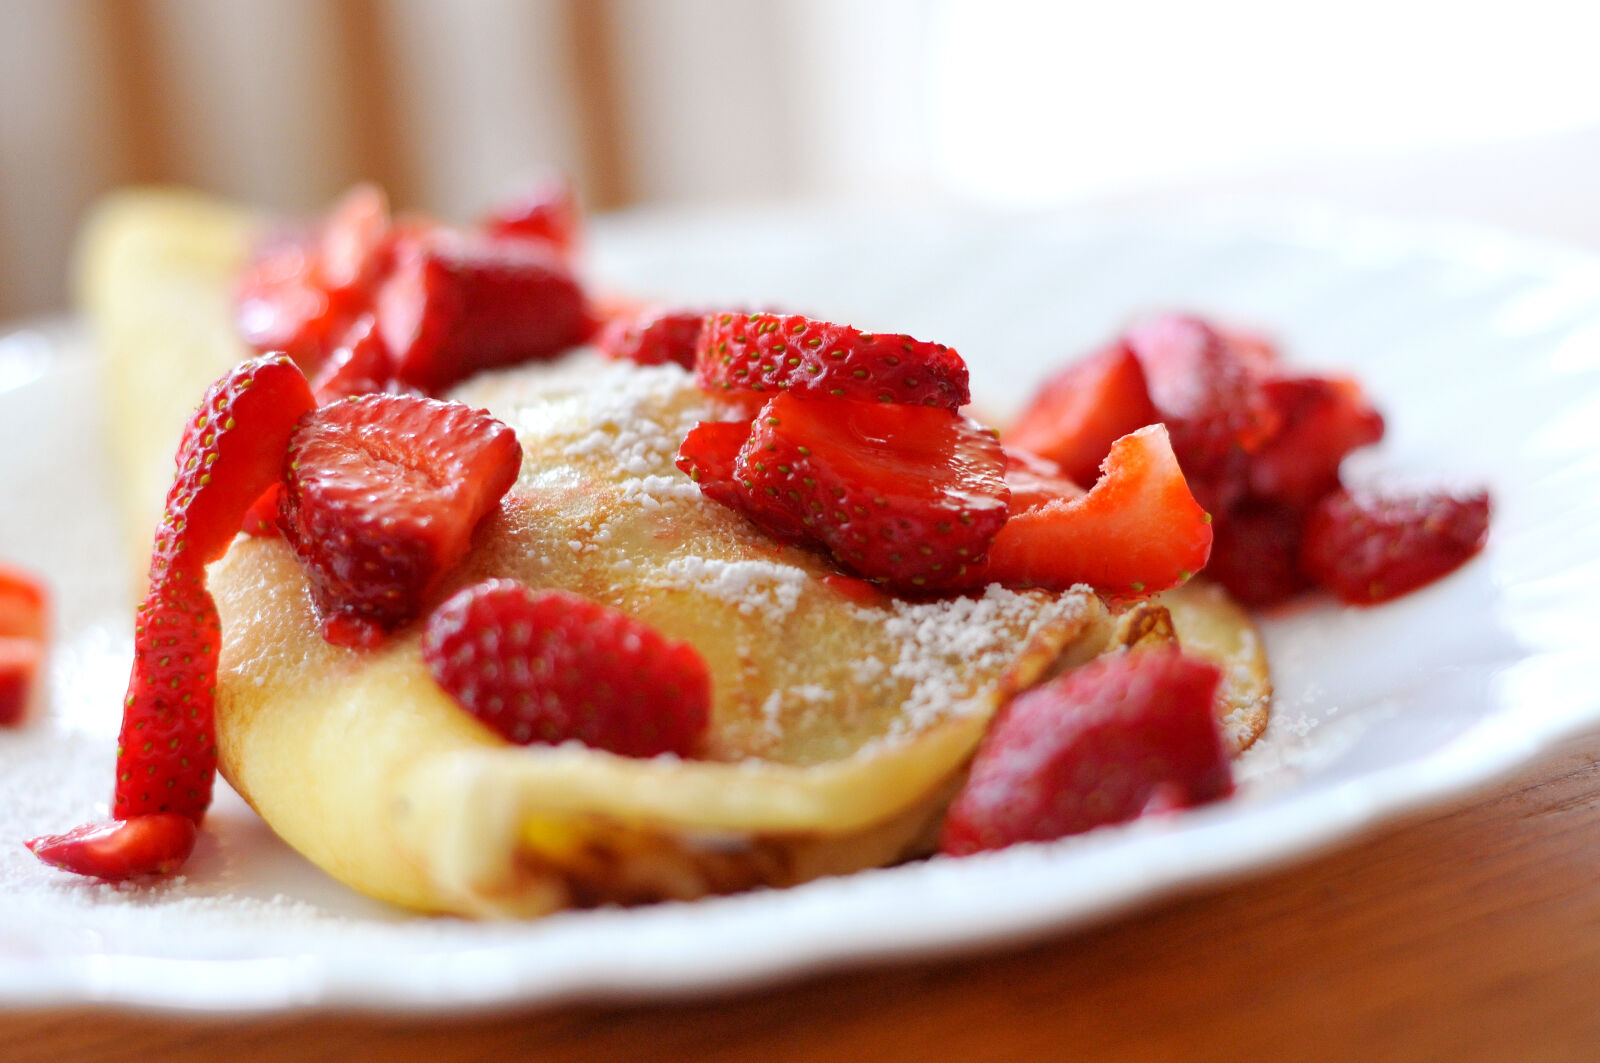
652,338
1137,531
547,210
766,353
1104,743
1322,419
1368,547
550,666
907,495
231,453
1079,412
157,844
459,302
381,496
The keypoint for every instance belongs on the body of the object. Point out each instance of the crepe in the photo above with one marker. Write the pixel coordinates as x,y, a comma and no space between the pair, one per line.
842,717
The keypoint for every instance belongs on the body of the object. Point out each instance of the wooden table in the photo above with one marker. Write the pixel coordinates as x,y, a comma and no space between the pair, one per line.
1471,935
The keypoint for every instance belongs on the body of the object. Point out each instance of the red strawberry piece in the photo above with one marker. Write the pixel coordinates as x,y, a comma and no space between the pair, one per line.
166,752
1256,552
707,454
1079,412
360,364
910,496
1323,419
20,662
1034,480
764,353
381,497
1104,743
1206,392
261,520
356,242
1137,531
550,666
231,452
24,605
155,844
546,211
653,338
460,302
281,304
1367,547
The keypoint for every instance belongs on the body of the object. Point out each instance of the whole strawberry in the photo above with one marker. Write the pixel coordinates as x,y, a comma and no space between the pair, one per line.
1101,744
550,666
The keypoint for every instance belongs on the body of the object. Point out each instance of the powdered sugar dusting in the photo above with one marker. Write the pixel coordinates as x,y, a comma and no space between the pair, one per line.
765,588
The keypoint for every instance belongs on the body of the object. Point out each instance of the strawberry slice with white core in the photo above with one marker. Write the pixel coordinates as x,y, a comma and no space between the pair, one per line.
766,353
381,497
1137,531
909,496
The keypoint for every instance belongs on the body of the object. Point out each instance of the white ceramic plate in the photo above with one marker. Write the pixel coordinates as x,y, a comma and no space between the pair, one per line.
1484,352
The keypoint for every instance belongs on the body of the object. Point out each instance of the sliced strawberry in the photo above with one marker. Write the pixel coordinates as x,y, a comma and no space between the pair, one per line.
764,353
231,452
460,302
1207,394
550,666
1368,548
1137,531
359,365
546,211
381,496
356,242
1256,552
652,338
21,659
154,844
261,519
24,605
281,304
907,495
1034,480
707,455
1079,412
1323,418
1101,744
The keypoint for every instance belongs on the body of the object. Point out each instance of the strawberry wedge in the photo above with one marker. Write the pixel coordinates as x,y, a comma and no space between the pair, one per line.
1137,531
232,451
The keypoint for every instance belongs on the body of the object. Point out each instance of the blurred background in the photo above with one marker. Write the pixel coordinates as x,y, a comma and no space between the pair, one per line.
1487,111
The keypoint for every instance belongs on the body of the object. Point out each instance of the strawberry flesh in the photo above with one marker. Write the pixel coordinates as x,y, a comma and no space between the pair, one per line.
459,302
1368,547
1256,552
1323,419
708,454
1137,531
1105,743
1080,411
360,364
766,353
654,338
910,496
381,497
153,844
550,666
547,211
20,662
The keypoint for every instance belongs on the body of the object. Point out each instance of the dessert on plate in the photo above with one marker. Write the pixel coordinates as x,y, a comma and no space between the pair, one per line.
521,601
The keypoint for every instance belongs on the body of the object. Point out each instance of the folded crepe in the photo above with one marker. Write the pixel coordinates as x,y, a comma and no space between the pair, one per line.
842,718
